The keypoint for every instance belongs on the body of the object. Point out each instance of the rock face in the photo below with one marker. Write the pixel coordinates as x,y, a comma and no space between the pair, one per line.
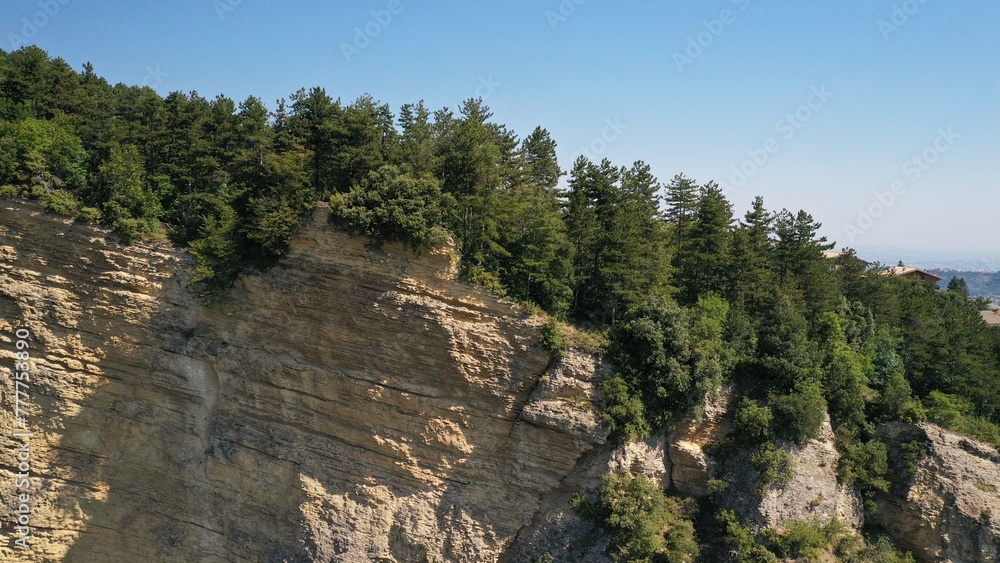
357,404
944,505
691,467
812,495
352,404
557,533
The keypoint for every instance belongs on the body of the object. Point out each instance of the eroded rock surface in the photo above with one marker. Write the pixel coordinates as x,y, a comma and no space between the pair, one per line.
813,494
691,467
353,404
944,505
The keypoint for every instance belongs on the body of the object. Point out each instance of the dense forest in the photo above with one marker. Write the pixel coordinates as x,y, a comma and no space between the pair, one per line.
683,294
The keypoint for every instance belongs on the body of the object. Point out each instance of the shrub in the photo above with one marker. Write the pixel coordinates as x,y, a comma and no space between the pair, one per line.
481,276
798,416
716,487
753,422
189,214
955,413
392,206
865,464
738,537
61,202
552,337
645,522
624,414
881,551
799,540
8,191
132,229
913,452
947,410
89,215
775,466
896,402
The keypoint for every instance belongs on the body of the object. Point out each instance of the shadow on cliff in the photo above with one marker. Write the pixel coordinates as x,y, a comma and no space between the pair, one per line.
327,409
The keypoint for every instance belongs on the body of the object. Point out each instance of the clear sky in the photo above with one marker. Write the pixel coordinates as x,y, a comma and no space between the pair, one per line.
813,105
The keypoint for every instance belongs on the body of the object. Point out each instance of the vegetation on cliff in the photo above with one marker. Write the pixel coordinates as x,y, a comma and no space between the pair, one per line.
689,295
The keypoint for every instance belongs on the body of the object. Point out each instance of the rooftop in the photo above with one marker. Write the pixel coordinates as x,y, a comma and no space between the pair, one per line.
991,317
911,272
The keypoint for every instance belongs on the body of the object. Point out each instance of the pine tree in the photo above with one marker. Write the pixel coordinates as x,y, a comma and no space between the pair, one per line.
753,277
416,139
316,120
541,169
706,257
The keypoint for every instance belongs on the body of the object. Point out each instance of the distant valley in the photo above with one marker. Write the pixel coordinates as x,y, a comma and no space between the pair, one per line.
986,284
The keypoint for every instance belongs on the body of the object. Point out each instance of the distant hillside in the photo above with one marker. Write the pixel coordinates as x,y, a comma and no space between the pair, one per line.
980,283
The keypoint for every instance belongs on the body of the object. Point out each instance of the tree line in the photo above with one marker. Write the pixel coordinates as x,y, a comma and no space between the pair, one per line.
687,294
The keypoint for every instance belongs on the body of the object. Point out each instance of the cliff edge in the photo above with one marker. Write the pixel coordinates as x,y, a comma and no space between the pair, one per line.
355,403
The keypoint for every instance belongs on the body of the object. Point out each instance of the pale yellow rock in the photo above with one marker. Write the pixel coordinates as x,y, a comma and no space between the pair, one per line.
355,403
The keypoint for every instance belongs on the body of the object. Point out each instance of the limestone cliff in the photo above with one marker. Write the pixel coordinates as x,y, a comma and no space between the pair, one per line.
813,494
944,504
352,404
357,403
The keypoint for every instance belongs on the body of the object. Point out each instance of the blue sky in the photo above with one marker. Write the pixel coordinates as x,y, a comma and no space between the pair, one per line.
823,106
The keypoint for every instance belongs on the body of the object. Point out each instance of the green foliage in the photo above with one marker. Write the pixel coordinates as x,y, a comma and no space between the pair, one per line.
865,464
89,215
753,421
775,466
799,539
614,227
810,541
955,413
738,537
896,402
882,551
625,413
552,337
392,206
481,276
646,524
805,541
716,487
844,385
42,151
758,302
798,415
190,214
217,253
705,255
664,362
913,452
947,410
785,357
129,207
61,202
